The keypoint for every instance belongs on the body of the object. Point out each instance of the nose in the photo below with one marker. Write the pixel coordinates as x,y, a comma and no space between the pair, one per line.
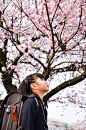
47,83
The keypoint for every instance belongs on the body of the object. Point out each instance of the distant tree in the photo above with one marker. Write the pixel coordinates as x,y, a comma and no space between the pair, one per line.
47,36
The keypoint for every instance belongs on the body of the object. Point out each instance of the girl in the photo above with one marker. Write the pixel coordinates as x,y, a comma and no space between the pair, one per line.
34,113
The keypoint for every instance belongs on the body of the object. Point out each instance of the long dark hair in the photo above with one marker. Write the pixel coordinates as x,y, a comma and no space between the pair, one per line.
24,87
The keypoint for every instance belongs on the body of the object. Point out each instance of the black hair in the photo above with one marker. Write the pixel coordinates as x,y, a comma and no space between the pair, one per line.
24,87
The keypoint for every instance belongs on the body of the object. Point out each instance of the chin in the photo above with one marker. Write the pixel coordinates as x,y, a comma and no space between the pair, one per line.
47,90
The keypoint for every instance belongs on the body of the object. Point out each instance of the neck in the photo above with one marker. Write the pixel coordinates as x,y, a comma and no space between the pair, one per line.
40,95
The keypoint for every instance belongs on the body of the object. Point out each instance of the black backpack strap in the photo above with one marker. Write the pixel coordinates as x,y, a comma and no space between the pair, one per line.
36,97
37,106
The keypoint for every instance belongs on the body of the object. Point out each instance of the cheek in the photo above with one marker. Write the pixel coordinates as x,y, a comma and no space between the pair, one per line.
42,86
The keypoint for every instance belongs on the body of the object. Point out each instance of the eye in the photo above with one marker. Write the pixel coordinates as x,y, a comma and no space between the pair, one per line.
43,79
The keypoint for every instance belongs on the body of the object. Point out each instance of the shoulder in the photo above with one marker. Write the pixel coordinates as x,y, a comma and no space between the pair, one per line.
30,102
29,106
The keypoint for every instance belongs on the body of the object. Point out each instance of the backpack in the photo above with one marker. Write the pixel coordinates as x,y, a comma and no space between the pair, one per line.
10,112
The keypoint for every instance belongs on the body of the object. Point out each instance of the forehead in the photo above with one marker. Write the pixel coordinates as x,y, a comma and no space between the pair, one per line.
38,80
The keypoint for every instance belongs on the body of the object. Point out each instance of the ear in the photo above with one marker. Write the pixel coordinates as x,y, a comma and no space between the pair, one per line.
33,86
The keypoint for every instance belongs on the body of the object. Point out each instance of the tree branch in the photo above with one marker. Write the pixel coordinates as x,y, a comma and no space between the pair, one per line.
37,48
65,85
28,63
50,24
73,33
71,67
37,60
16,59
56,10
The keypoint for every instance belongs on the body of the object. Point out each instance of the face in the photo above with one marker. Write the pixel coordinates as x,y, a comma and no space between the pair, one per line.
42,85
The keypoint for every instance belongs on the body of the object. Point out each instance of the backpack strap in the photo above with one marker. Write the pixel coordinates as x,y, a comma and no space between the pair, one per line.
37,106
19,128
36,97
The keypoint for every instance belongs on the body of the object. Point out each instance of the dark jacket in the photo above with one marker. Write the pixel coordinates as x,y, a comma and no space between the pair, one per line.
32,117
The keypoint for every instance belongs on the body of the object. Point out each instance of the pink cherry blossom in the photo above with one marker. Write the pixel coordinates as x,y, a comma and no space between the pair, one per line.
43,3
56,45
46,65
15,30
84,28
3,69
22,47
84,45
13,67
29,44
49,33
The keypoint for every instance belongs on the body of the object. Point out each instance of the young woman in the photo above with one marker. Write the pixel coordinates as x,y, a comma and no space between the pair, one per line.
34,113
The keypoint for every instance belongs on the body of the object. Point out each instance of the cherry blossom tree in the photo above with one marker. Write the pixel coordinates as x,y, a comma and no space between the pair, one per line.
46,36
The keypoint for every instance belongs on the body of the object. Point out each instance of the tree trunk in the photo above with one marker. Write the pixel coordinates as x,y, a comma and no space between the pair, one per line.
7,81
